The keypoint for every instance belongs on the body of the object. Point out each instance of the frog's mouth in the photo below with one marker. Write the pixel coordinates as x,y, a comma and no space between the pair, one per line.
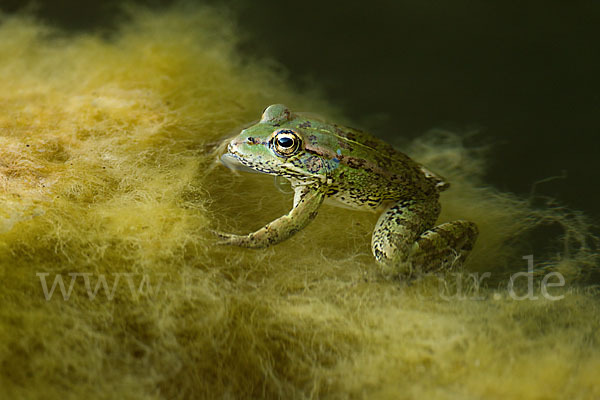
236,163
233,163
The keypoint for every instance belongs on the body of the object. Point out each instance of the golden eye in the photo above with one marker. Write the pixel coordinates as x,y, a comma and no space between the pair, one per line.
286,142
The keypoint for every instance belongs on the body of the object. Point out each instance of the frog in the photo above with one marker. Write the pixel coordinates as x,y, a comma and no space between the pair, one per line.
327,162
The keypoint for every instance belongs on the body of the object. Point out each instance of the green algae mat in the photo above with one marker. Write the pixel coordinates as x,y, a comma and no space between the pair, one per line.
112,286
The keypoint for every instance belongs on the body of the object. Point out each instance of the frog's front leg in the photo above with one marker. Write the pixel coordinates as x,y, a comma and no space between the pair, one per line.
405,238
306,204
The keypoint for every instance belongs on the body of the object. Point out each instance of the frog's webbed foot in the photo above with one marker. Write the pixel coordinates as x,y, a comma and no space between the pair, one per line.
306,203
445,246
405,240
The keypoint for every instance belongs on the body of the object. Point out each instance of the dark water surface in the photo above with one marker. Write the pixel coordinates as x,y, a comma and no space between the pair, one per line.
525,74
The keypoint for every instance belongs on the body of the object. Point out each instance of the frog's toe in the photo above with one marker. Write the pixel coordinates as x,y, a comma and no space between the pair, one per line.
225,238
445,246
248,241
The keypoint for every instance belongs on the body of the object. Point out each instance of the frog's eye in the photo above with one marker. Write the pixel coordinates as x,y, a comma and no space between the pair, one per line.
286,142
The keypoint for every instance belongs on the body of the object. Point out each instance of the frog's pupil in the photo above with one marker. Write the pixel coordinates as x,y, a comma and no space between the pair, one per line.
285,142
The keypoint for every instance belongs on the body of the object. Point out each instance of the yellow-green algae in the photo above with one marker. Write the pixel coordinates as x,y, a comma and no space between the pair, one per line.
106,169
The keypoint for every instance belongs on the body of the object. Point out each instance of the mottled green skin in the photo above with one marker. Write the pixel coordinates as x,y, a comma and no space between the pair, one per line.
355,170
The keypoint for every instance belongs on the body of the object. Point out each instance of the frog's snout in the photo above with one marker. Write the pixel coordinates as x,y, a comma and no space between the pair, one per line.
234,146
239,145
230,146
231,159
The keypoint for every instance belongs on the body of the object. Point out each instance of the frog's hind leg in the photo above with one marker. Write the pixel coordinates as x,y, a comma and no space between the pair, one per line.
444,246
405,238
399,227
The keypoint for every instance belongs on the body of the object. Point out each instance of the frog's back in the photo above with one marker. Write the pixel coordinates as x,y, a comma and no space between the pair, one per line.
375,173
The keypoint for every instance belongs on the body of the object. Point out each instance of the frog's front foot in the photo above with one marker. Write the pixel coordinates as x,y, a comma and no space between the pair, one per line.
237,240
306,204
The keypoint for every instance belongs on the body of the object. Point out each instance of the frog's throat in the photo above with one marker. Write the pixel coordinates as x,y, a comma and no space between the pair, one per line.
234,164
299,174
304,175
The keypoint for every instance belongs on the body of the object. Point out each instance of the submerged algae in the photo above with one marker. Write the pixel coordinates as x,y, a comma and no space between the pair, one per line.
107,174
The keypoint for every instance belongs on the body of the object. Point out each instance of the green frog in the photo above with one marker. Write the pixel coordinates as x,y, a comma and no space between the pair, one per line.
325,161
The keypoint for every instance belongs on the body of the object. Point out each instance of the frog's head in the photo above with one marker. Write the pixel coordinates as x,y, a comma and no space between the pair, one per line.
277,146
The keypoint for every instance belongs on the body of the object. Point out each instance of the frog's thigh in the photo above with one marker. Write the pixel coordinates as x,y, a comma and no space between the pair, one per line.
444,246
399,227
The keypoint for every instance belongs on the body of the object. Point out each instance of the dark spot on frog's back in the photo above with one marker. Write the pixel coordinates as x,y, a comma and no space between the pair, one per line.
343,144
372,144
305,124
312,139
344,133
355,162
